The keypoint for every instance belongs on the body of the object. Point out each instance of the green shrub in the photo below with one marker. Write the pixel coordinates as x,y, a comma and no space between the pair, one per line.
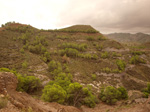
54,93
107,70
63,37
28,83
99,47
114,54
80,47
136,60
24,65
46,57
137,52
146,91
101,37
89,38
121,65
78,95
111,95
93,76
124,93
52,65
104,55
63,80
22,50
95,57
69,52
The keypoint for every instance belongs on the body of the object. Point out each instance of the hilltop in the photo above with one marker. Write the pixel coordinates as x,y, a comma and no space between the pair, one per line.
77,56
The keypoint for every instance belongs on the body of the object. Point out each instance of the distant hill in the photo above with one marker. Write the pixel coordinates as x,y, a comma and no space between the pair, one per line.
129,38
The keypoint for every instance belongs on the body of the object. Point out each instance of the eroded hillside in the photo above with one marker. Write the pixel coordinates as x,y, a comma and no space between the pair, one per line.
81,53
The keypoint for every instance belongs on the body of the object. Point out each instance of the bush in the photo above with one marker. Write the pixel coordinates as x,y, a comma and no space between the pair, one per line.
146,91
137,52
78,95
69,52
28,83
89,38
99,47
104,55
80,47
54,93
136,60
52,65
124,93
93,76
95,57
111,95
24,65
3,102
101,37
121,65
22,50
107,70
46,57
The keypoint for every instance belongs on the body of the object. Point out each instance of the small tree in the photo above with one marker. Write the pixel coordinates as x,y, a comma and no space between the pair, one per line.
121,64
28,83
52,65
78,95
54,93
111,95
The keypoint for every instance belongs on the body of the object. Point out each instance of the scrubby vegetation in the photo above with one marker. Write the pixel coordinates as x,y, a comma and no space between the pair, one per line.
146,91
25,83
3,102
121,65
136,60
111,95
63,90
68,60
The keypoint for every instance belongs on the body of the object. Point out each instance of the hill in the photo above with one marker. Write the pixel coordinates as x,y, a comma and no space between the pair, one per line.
73,57
129,38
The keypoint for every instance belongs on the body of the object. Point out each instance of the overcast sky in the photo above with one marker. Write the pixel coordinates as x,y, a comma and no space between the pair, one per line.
107,16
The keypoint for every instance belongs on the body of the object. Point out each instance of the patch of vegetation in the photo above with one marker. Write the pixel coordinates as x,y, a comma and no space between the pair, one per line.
3,102
46,57
137,52
136,60
99,47
104,55
101,37
63,37
114,54
90,38
80,47
24,65
70,52
63,90
111,95
93,76
78,95
109,70
146,91
121,65
25,83
54,93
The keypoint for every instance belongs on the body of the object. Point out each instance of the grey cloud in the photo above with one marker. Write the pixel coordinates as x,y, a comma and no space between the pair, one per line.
119,15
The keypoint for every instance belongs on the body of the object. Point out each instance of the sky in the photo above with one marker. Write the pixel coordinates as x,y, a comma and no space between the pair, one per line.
107,16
